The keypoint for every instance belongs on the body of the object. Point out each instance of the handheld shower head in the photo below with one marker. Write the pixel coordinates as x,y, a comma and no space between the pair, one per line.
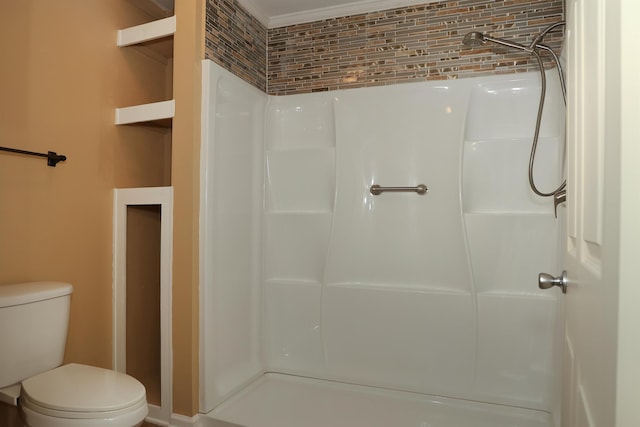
474,38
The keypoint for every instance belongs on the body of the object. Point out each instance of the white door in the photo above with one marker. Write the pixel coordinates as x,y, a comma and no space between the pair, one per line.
601,379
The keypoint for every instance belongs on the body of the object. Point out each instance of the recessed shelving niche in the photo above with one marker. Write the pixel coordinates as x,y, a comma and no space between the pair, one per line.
143,214
154,39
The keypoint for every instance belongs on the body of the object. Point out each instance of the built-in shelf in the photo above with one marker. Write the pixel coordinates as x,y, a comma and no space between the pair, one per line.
154,38
146,32
158,113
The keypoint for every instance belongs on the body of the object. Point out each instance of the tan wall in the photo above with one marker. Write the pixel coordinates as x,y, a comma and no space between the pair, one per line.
189,51
61,78
143,298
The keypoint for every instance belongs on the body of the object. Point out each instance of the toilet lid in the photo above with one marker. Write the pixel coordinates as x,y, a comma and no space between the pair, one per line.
82,388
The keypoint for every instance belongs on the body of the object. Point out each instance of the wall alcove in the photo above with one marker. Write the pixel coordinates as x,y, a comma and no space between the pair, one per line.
143,246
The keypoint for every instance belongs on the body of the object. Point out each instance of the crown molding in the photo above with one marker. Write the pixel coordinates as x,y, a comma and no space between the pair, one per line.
256,11
354,8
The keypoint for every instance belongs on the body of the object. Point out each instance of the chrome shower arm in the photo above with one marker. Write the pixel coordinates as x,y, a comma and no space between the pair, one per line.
506,43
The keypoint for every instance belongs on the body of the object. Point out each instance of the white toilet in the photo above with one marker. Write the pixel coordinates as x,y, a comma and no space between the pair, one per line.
33,329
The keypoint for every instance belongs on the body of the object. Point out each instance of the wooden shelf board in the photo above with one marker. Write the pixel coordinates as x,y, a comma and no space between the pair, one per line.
157,112
146,32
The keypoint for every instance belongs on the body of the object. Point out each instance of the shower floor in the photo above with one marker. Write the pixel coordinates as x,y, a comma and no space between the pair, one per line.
277,400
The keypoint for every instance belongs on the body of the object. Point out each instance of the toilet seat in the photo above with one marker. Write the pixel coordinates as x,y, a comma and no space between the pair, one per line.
83,395
34,418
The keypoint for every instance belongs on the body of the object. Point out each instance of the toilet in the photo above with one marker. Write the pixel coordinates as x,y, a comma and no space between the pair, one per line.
34,318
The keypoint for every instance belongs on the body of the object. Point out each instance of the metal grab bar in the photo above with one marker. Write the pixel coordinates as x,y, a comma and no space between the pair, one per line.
52,157
420,189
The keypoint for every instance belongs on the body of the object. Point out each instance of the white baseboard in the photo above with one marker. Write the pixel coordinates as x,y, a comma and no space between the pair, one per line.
198,421
176,420
184,421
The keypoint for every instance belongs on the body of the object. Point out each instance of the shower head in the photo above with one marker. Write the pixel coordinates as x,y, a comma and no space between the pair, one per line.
473,38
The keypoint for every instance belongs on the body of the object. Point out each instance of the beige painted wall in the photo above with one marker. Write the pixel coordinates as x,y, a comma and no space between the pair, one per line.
61,78
187,88
143,341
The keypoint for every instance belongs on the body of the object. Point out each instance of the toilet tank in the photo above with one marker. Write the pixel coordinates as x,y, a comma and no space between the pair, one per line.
34,318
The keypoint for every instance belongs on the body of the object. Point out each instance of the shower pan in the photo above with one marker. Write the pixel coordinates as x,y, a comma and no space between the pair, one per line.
324,303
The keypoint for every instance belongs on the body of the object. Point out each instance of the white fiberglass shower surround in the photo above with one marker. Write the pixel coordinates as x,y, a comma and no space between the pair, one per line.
323,304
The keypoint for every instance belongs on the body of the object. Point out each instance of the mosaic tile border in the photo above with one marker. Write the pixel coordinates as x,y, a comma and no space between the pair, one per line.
422,42
236,41
415,43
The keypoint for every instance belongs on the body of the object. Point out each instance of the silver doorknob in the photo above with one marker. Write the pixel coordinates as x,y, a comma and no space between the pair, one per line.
546,281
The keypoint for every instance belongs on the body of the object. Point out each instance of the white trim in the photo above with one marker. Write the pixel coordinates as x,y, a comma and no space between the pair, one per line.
122,198
628,372
178,420
204,208
354,8
198,420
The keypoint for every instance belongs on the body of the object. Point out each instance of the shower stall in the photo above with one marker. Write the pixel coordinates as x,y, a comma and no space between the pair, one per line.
323,303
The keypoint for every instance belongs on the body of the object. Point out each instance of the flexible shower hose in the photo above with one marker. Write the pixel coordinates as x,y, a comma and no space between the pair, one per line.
536,135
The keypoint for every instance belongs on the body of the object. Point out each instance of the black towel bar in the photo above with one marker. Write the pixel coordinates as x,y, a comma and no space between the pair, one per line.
52,157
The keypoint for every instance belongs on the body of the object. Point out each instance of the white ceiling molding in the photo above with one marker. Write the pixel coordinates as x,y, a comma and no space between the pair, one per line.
347,8
256,11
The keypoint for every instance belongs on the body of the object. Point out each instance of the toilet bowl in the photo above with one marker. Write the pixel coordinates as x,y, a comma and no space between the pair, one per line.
79,395
31,376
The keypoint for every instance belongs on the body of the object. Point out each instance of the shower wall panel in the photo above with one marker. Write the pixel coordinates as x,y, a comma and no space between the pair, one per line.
397,266
435,293
300,200
231,228
513,235
402,135
430,293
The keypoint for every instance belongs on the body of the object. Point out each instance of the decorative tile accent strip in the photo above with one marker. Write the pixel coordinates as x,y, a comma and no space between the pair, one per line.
237,41
415,43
